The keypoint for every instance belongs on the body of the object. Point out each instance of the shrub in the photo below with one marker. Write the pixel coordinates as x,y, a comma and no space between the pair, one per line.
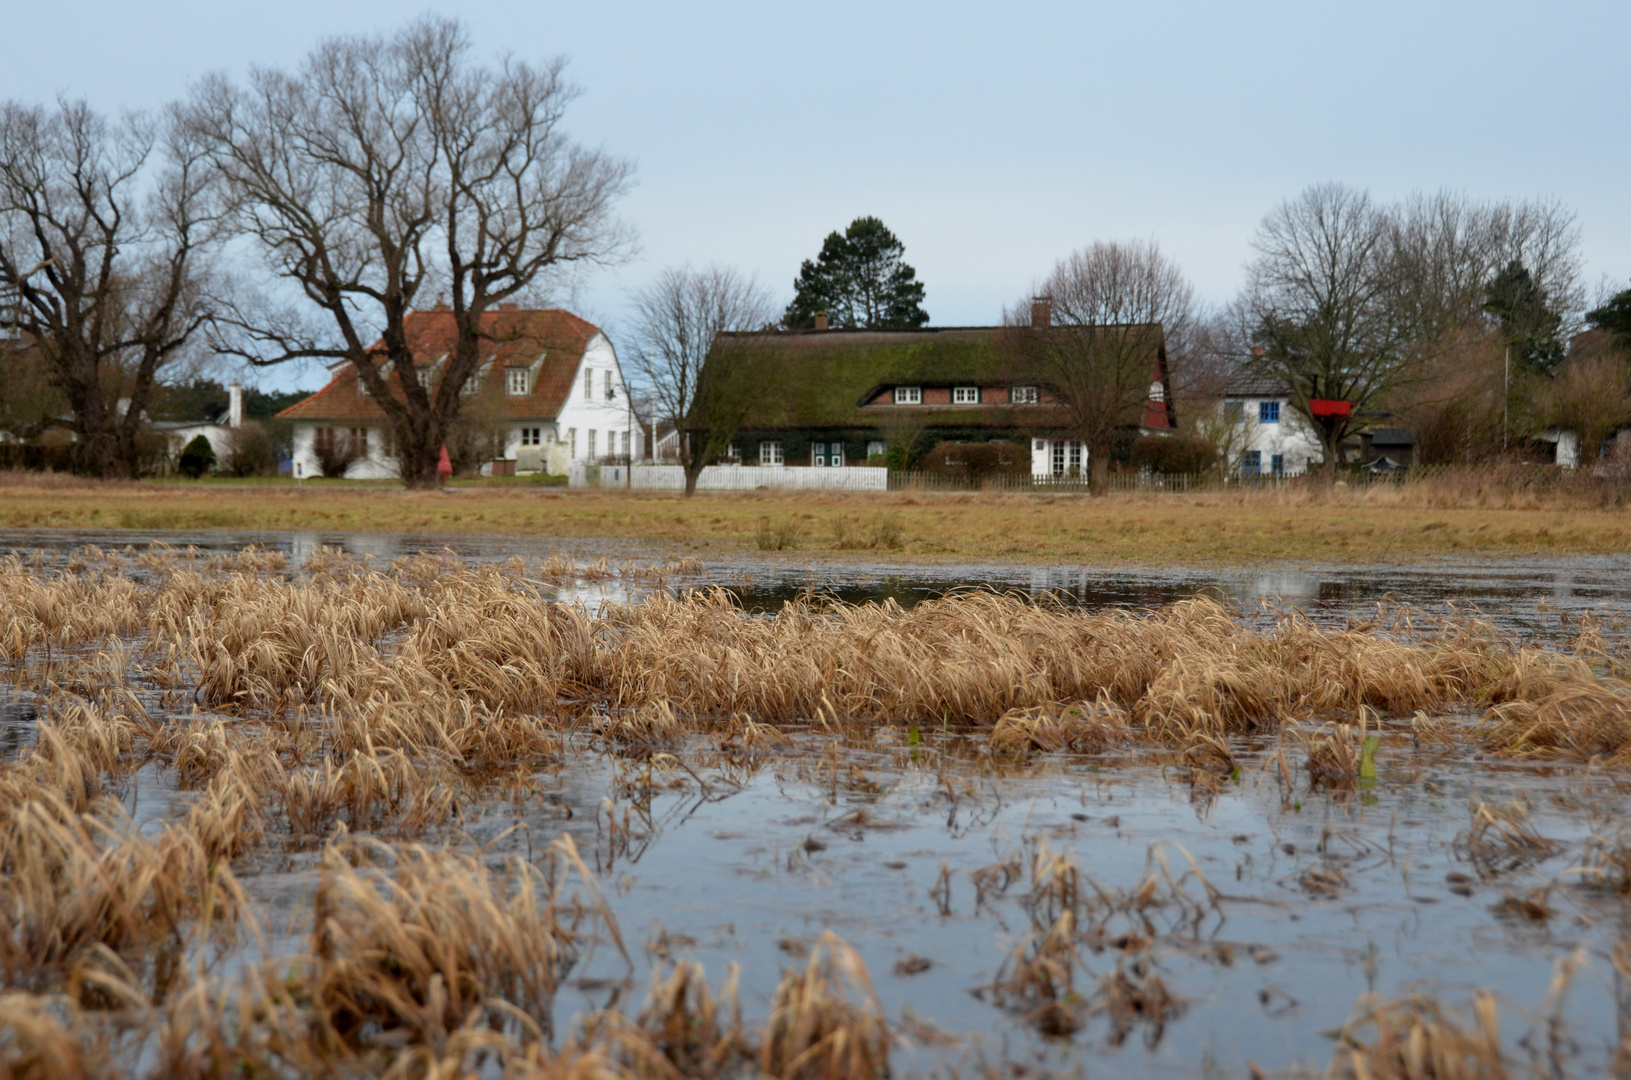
1174,454
197,458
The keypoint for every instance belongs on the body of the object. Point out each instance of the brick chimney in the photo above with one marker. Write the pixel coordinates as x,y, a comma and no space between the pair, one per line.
1041,311
821,320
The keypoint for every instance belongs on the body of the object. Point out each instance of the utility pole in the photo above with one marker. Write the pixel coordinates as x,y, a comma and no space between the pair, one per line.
1506,398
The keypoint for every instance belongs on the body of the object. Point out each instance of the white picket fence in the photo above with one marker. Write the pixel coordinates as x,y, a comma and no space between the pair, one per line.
731,478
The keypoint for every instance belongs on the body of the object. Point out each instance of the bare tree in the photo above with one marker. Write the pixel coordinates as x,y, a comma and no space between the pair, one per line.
1318,310
700,343
1111,305
386,168
1350,301
1591,395
104,228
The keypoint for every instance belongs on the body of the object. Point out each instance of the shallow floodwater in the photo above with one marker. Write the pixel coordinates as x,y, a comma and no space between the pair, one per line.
1531,597
1276,905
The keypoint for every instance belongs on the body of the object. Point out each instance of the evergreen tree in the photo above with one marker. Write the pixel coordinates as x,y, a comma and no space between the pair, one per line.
860,280
1615,317
1528,324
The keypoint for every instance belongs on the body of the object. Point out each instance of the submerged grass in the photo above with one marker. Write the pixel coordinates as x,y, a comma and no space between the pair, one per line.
343,717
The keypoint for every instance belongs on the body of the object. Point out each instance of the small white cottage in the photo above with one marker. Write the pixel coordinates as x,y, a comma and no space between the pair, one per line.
553,388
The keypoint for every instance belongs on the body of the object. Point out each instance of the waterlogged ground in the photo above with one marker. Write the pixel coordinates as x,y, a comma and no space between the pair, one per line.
1232,920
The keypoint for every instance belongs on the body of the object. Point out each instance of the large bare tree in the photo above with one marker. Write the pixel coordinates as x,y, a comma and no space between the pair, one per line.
388,169
700,343
104,226
1110,304
1350,301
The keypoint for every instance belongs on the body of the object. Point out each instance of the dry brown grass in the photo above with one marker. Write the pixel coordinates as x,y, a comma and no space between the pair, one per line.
825,1021
1414,1038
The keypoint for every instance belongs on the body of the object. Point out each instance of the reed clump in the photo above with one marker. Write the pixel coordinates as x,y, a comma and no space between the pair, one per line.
1414,1038
825,1021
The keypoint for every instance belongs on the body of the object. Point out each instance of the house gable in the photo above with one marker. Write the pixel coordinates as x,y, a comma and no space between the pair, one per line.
550,342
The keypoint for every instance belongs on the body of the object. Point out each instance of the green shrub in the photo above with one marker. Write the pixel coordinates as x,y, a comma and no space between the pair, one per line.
197,458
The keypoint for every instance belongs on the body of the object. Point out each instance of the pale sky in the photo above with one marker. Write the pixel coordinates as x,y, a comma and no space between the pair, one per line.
993,139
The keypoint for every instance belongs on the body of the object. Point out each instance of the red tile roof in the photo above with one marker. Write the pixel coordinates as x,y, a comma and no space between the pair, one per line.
518,338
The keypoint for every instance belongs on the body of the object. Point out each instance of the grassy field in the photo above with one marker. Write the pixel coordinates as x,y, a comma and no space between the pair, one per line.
1234,528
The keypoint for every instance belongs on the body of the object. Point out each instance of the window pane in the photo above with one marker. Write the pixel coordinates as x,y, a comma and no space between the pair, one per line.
1268,412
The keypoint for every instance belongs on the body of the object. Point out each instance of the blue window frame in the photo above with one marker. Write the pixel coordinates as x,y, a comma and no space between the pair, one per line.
1277,464
1234,412
1268,412
1252,463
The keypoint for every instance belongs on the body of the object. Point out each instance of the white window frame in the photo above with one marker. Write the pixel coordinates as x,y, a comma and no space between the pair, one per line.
517,381
770,453
876,447
908,395
588,385
610,395
1023,395
591,445
835,455
1158,391
965,395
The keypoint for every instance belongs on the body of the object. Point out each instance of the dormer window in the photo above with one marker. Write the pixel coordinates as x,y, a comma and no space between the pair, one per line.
965,395
516,381
1023,395
1158,391
908,395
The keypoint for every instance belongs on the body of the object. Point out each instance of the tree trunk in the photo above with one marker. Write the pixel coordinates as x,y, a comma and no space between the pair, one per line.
1098,469
692,462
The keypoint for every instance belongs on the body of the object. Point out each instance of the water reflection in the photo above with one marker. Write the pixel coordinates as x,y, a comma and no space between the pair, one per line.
1531,596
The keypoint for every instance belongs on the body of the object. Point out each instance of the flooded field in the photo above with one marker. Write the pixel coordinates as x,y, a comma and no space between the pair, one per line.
363,805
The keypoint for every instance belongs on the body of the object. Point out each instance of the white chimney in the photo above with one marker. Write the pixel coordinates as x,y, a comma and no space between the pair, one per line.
235,405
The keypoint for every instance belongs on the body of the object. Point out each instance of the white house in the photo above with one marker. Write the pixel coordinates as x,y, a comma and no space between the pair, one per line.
1260,432
551,391
217,432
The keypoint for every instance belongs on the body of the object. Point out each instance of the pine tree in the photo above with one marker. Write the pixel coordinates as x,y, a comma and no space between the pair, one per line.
1528,324
860,280
1615,317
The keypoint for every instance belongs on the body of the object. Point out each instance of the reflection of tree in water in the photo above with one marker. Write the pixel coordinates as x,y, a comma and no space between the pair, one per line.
16,727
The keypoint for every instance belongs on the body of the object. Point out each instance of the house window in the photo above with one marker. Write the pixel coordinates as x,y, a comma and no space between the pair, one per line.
1268,412
610,396
835,455
1252,463
423,375
532,436
875,448
770,453
1023,395
825,454
516,381
1158,391
908,395
591,444
359,441
965,395
818,454
733,454
1277,464
572,434
1067,456
1234,412
588,385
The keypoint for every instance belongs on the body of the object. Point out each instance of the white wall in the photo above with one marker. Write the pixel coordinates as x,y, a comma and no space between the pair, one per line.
376,466
734,478
1291,436
583,413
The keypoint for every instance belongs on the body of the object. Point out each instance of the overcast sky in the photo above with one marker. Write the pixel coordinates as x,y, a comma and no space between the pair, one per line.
991,138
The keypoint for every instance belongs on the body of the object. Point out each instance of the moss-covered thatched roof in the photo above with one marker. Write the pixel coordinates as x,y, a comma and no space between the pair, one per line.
822,379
